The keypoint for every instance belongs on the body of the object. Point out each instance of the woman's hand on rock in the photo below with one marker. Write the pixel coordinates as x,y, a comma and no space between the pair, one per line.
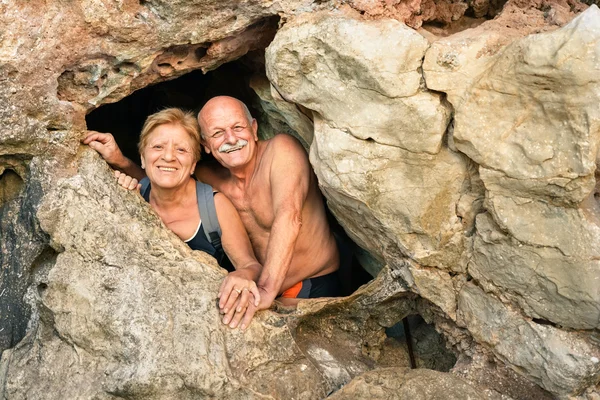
127,181
238,299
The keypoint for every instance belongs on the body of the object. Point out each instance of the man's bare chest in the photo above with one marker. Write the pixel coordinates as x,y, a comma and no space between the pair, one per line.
255,208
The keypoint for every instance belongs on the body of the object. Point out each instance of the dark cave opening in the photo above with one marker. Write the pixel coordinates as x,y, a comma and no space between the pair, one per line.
125,118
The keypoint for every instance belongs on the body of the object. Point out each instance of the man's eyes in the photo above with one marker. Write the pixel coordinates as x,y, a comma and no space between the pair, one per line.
237,129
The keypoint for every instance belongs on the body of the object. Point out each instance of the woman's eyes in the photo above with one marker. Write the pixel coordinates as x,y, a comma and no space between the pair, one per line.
178,149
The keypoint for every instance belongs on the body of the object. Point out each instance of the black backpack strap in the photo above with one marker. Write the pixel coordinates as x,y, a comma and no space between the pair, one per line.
145,189
208,215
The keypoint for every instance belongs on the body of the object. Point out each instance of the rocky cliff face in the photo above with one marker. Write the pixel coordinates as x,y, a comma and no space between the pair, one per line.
463,161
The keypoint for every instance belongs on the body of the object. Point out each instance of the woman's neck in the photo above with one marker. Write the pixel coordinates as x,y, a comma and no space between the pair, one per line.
165,198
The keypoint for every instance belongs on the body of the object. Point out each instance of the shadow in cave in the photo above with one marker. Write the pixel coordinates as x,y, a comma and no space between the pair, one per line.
125,118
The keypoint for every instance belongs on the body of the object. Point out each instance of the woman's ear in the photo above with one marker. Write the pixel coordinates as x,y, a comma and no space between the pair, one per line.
143,161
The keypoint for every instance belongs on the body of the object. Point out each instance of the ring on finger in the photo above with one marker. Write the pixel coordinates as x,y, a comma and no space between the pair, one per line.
237,290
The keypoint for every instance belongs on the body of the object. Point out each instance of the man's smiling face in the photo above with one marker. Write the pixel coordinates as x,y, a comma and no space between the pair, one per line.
227,132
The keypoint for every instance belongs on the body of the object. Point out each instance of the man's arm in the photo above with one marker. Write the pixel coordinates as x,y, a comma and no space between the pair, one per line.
105,144
238,294
290,180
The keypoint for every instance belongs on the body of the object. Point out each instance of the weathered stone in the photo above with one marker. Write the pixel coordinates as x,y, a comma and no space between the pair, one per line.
562,362
454,63
341,68
393,201
291,119
486,372
417,384
413,13
543,257
533,116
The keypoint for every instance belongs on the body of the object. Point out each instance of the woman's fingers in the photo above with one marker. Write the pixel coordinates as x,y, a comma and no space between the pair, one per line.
126,181
232,306
231,299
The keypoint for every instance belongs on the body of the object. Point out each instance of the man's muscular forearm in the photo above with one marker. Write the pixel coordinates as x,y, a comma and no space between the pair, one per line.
280,251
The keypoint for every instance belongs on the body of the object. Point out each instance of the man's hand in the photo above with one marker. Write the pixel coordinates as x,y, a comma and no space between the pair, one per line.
105,144
127,181
238,298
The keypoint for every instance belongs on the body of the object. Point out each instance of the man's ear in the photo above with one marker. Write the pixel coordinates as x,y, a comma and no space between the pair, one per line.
255,129
204,144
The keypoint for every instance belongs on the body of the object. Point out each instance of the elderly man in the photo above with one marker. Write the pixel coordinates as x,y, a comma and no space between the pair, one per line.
275,191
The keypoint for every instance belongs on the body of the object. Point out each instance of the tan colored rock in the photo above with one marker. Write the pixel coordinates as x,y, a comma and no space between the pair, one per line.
545,258
562,362
295,119
454,63
533,116
129,309
393,201
341,68
404,383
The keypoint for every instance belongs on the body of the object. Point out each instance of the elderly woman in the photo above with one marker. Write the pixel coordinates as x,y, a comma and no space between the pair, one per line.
169,148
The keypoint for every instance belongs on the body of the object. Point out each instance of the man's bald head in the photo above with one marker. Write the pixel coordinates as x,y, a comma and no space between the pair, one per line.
231,104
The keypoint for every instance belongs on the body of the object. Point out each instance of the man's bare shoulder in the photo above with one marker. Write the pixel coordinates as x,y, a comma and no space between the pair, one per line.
284,146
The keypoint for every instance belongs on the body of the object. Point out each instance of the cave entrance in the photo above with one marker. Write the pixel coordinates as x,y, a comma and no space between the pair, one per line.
125,118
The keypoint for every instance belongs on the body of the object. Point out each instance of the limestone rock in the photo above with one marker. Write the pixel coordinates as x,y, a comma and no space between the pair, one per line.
403,383
290,118
128,310
405,201
532,117
543,257
341,68
561,362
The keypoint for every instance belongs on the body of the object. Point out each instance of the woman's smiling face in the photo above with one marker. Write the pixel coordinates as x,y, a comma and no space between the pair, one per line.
168,156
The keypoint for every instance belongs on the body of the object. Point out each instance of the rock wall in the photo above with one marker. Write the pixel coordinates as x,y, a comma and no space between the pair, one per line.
462,160
473,156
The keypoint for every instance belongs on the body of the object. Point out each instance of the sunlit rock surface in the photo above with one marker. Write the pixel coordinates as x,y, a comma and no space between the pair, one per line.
462,161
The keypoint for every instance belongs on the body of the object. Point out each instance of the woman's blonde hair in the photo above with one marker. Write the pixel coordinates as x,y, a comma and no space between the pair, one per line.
174,116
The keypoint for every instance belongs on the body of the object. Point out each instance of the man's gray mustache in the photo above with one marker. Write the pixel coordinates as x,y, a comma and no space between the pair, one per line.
228,148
